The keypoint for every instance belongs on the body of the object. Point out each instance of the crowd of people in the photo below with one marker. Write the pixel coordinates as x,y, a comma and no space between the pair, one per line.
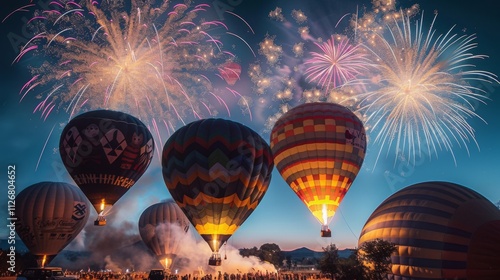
287,275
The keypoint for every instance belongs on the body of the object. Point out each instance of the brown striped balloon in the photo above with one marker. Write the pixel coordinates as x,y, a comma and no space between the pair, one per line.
162,227
318,148
442,231
48,216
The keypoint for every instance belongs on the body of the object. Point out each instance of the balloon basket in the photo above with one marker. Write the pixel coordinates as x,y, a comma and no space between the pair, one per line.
325,231
215,260
101,221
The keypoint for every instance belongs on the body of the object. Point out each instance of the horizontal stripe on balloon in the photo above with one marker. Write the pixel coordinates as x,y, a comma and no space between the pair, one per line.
231,199
217,142
216,173
325,117
429,263
415,224
315,148
216,229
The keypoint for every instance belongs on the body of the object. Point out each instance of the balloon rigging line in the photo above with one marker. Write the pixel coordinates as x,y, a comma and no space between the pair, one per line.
347,223
43,149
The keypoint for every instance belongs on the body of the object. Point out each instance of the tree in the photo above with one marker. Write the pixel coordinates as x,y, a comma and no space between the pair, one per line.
329,262
351,268
272,253
376,256
289,262
268,252
246,252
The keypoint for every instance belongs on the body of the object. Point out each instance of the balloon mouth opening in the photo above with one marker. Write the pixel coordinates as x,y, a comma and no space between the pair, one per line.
42,261
215,259
103,210
166,263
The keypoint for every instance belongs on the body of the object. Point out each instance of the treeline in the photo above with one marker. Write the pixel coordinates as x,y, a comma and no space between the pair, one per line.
371,261
268,252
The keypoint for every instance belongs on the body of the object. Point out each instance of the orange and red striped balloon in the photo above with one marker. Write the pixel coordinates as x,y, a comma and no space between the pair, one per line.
318,148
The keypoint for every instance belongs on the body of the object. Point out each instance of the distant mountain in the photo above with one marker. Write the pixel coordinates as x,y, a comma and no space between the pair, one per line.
304,253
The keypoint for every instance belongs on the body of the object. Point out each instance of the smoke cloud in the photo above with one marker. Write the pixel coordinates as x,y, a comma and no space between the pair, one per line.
118,248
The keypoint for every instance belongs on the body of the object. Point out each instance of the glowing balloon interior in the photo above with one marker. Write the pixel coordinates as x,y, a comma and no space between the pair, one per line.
162,227
217,171
105,152
49,216
318,149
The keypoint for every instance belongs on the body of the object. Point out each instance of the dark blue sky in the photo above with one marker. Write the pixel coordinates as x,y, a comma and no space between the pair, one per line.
281,217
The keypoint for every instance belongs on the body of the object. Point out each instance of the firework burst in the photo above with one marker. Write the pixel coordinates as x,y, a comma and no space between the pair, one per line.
336,64
421,96
154,59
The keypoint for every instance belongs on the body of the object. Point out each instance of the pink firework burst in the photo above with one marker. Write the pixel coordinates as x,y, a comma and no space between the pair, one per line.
336,64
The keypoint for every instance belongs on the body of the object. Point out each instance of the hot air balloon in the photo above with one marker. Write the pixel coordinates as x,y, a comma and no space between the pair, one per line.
230,71
318,149
49,215
442,230
105,152
217,171
162,227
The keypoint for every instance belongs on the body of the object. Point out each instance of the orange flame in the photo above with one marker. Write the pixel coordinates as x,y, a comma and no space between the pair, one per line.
44,260
166,263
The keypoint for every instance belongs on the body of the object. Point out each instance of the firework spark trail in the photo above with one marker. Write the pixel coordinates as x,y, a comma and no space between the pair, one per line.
419,97
153,59
250,27
21,9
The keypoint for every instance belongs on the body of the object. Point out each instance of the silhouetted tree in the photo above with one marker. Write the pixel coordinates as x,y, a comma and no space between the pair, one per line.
289,262
272,253
247,252
351,268
329,262
268,252
376,257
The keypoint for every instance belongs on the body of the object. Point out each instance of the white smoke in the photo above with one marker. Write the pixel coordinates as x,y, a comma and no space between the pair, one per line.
197,252
110,265
109,247
118,248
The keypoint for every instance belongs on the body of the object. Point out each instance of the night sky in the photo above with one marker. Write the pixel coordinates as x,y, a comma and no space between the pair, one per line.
281,217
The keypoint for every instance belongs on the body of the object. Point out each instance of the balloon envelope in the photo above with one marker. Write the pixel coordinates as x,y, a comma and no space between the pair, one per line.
230,71
105,152
49,216
217,171
318,149
162,227
442,230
